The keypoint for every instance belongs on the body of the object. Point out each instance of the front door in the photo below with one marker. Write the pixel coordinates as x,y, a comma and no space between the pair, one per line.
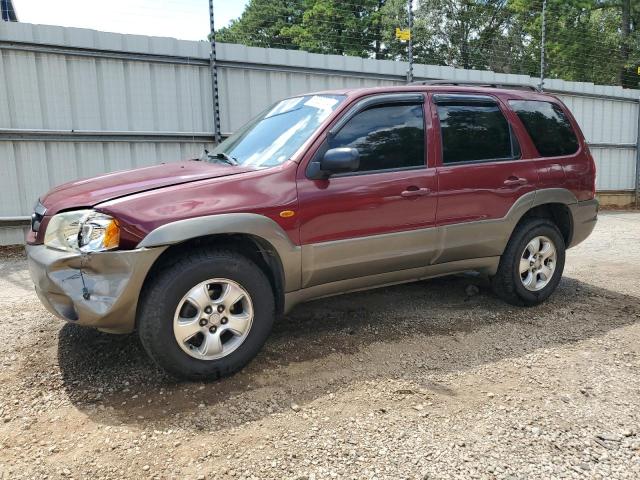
376,219
481,174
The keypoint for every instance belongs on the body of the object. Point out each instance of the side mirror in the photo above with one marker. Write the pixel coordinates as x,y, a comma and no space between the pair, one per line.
336,160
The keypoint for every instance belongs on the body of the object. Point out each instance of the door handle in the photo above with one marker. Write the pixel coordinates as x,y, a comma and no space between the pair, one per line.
515,181
415,192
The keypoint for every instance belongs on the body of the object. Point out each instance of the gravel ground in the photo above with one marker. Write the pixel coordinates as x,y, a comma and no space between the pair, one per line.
434,379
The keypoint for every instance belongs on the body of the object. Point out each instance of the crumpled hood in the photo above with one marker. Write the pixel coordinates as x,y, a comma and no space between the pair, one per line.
95,190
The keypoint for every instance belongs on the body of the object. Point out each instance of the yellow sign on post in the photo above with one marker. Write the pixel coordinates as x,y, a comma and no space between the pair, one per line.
638,70
403,34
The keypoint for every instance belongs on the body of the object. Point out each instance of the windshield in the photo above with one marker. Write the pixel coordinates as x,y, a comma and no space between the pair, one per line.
277,133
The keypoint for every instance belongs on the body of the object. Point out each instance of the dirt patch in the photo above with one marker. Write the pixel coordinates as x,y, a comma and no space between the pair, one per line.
426,380
12,251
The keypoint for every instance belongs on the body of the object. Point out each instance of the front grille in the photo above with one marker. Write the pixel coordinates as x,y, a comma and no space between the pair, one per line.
37,216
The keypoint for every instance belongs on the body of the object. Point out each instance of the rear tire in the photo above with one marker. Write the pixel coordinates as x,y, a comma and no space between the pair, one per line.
531,266
206,315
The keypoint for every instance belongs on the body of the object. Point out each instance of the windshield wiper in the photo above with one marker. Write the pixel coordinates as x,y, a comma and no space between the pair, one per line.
228,159
225,158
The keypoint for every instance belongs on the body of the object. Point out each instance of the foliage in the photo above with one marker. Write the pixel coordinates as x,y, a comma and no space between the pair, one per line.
264,23
586,40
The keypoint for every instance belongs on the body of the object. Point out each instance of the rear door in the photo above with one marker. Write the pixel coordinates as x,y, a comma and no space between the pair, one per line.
374,220
563,161
481,174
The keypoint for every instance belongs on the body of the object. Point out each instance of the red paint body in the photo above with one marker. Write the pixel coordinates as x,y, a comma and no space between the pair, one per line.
337,208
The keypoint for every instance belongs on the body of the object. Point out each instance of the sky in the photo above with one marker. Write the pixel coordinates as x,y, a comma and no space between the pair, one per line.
184,19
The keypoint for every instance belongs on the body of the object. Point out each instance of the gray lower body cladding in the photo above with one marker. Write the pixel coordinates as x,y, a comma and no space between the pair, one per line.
585,216
488,265
113,280
334,261
342,266
332,268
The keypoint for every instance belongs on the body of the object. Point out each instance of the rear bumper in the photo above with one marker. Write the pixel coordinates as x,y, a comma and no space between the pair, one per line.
112,280
585,216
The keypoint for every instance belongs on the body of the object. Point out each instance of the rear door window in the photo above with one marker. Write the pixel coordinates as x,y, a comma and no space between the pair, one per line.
474,129
548,127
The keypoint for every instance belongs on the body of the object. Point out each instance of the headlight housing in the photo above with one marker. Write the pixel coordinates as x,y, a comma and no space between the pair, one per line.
82,231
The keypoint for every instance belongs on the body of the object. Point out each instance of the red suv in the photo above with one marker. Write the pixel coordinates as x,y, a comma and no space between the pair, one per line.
320,194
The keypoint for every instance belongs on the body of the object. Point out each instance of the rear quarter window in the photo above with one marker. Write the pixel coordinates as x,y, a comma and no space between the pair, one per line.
548,127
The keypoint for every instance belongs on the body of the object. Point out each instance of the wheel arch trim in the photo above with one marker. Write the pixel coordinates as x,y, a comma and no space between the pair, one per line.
537,198
582,215
559,196
554,195
250,224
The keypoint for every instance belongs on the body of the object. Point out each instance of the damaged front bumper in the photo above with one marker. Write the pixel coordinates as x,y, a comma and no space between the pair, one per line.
98,290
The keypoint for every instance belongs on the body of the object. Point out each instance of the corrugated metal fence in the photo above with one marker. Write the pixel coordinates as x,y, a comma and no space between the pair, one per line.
76,103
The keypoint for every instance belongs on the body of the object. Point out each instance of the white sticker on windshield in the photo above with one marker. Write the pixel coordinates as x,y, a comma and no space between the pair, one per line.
321,103
284,106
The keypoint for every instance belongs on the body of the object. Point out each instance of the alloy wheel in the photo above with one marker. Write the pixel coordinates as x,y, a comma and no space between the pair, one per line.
213,319
537,263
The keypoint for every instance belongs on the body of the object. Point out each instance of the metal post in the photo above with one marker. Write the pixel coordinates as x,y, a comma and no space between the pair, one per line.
214,77
410,53
542,42
637,186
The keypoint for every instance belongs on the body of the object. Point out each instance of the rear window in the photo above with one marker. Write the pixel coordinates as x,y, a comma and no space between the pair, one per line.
548,127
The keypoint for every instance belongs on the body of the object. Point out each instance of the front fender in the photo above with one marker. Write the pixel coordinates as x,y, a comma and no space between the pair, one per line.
234,223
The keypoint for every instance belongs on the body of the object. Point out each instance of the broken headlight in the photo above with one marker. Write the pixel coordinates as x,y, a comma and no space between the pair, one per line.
82,231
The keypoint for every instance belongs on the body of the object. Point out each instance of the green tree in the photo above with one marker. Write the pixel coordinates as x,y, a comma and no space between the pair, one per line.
462,28
331,26
586,40
264,23
630,48
426,47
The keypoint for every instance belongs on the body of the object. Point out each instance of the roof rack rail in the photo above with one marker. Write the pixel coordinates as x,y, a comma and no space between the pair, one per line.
462,83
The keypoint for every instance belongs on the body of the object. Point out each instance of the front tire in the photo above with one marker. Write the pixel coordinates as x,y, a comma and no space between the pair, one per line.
206,315
531,266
